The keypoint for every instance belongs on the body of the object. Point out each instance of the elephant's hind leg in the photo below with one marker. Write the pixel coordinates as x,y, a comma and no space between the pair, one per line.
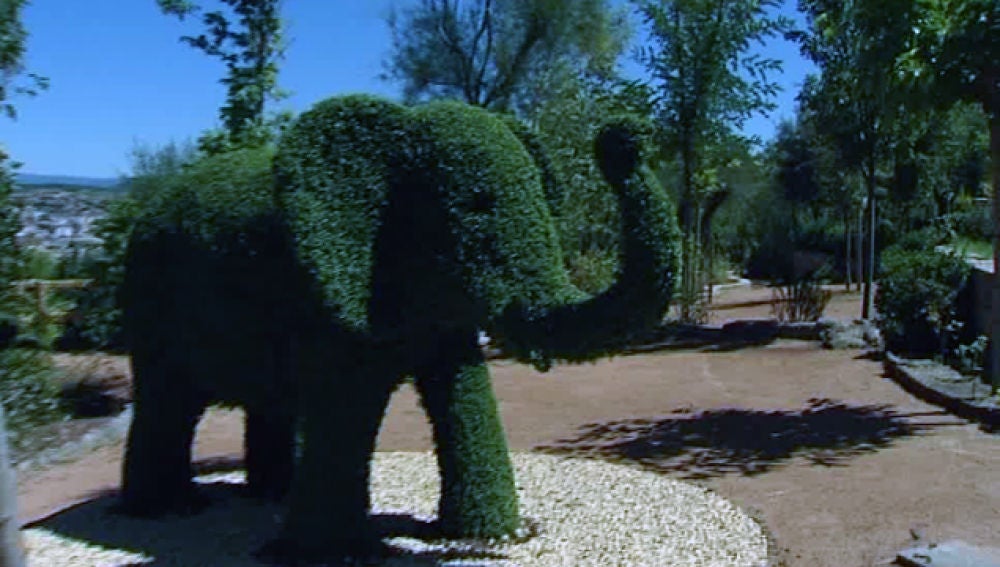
156,477
270,453
478,494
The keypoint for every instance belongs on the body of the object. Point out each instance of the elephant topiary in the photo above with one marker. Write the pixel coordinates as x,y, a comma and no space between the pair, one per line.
391,236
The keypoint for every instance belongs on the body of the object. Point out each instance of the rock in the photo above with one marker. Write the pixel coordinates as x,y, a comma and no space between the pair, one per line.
949,554
803,331
838,335
102,393
751,330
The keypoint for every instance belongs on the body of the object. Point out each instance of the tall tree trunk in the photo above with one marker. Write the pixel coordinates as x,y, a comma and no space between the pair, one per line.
11,551
994,367
847,249
686,210
870,180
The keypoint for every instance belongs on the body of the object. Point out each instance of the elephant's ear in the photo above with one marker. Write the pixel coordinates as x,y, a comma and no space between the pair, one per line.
507,245
333,172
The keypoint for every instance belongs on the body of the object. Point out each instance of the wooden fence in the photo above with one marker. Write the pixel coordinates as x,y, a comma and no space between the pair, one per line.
37,290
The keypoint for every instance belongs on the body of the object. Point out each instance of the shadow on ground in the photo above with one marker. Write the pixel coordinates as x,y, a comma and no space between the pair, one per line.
229,531
712,443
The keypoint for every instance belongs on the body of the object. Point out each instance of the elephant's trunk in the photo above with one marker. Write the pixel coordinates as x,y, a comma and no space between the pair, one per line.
640,296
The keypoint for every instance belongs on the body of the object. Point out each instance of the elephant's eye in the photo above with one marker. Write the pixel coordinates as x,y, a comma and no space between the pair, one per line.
482,202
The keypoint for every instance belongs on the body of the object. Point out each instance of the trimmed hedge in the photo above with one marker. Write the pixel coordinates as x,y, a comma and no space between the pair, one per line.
391,236
208,295
333,171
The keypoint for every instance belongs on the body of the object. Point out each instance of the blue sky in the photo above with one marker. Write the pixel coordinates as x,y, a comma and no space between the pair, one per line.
120,77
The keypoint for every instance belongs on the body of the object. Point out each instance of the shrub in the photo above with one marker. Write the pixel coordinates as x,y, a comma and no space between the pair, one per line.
975,223
921,240
918,302
28,391
803,300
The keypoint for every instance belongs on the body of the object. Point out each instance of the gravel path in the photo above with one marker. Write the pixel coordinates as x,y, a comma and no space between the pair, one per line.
587,513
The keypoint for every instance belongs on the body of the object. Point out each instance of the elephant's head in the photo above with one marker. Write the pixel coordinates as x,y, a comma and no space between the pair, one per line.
436,216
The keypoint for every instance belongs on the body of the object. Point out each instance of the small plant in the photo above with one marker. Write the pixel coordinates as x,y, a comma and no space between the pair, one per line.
802,300
690,307
968,358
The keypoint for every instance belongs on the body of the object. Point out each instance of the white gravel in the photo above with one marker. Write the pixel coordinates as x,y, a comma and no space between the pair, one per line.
587,513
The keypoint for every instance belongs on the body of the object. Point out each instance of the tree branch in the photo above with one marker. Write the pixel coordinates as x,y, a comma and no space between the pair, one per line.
485,27
448,33
534,34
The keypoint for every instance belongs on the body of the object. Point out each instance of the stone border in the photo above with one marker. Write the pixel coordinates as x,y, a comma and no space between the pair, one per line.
735,333
108,434
930,391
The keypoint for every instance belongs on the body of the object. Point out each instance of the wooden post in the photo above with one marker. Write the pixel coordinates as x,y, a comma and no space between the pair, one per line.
11,549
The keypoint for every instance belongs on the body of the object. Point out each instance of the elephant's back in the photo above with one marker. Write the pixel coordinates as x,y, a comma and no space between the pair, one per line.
208,258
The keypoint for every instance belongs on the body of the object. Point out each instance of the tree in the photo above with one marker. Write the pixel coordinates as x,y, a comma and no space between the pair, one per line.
952,54
852,98
938,53
487,52
251,48
709,84
13,37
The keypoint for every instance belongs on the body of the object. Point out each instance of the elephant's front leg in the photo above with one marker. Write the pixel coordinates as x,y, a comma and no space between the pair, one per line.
329,500
478,494
156,476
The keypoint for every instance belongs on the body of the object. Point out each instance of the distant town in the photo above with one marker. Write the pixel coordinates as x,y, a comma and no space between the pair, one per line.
58,212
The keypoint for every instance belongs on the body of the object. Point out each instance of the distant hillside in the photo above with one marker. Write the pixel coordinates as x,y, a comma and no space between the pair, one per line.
30,179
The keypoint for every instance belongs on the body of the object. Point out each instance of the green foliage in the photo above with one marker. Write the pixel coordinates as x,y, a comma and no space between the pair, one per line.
918,303
922,240
504,240
13,37
699,60
213,218
951,52
646,279
972,223
969,358
251,46
586,213
333,169
28,392
96,319
981,249
38,263
501,219
706,88
470,442
12,51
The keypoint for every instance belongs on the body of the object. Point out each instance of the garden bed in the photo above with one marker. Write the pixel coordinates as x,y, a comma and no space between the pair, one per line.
936,383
